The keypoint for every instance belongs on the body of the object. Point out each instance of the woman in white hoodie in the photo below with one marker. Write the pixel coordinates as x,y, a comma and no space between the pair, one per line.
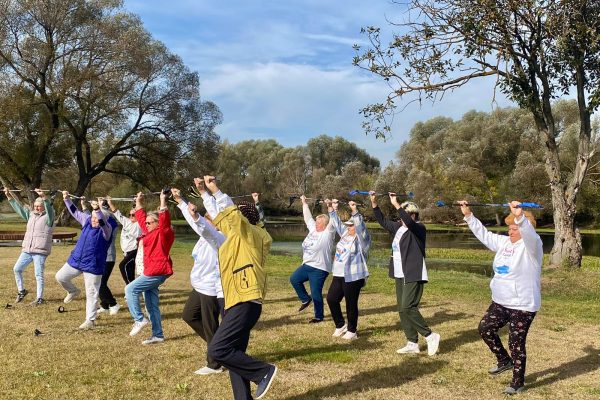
516,288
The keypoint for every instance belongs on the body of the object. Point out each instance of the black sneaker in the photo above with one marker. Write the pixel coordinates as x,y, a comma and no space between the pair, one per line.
500,368
21,295
315,321
304,306
511,390
265,382
37,302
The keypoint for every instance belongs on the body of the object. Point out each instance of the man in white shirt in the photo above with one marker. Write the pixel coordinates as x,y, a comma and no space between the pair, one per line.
317,249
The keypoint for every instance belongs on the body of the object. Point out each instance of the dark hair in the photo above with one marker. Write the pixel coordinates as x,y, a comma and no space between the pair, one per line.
249,211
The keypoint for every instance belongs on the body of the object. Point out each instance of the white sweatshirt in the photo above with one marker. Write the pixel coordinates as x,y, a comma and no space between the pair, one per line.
317,247
204,276
129,234
517,266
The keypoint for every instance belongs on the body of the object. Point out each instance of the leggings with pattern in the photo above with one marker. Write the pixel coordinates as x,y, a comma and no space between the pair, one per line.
518,322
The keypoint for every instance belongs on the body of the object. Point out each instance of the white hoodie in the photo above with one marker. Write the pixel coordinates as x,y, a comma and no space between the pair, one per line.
517,266
205,277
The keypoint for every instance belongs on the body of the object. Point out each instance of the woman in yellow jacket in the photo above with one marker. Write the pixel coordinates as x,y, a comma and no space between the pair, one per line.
242,260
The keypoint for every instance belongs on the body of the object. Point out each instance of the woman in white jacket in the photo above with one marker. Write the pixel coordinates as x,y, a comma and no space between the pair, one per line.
516,288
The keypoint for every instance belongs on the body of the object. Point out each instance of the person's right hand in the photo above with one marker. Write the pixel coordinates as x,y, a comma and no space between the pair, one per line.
176,195
464,207
335,203
303,199
110,203
210,182
40,193
7,193
65,194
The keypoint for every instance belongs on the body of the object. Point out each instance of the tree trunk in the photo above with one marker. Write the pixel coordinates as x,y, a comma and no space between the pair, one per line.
567,249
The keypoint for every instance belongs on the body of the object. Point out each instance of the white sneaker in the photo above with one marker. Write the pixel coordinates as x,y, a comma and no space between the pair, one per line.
409,348
153,340
137,326
101,310
340,331
208,371
113,310
433,343
71,296
87,324
350,336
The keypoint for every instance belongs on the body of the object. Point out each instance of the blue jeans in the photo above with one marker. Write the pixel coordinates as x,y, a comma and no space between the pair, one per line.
148,285
39,260
316,278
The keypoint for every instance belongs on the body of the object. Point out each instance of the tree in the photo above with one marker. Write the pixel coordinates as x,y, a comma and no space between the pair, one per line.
119,100
536,50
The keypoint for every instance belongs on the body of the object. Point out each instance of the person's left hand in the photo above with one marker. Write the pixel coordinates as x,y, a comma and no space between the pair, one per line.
515,210
394,200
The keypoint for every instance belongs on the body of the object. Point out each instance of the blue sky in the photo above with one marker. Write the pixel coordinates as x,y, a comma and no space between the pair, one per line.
282,69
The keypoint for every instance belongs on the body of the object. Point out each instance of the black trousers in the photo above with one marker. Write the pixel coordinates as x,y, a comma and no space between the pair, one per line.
127,266
518,322
228,348
106,297
338,290
201,313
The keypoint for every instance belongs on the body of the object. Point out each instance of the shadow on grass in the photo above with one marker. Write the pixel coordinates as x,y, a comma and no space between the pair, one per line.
583,365
310,352
394,376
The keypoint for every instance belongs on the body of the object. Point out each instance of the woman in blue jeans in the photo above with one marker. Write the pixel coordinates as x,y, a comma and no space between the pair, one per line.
317,252
157,237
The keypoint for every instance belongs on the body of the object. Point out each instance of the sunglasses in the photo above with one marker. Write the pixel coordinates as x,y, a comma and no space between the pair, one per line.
131,215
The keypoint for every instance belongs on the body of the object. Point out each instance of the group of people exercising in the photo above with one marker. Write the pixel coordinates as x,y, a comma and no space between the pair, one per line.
228,276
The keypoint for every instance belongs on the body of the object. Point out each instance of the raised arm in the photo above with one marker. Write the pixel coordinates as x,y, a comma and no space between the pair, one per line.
361,228
22,211
490,240
308,218
78,215
532,241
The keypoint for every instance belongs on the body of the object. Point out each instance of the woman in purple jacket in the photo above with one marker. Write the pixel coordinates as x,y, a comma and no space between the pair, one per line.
87,258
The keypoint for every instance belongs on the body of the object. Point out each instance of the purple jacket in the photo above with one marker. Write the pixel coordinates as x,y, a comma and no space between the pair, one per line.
89,254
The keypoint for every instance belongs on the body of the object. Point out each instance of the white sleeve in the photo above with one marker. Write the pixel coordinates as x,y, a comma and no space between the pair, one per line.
530,237
223,200
210,203
308,219
490,240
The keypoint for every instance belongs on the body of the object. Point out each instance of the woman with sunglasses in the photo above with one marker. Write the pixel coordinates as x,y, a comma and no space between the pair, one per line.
157,238
129,241
350,270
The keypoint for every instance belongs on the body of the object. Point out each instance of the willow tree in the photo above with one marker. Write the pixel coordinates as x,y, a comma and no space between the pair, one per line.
114,97
537,51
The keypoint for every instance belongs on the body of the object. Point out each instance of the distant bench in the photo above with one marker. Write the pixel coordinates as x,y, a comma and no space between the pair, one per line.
56,236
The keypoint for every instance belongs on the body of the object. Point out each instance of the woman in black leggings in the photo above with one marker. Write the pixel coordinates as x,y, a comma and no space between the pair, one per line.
350,270
516,293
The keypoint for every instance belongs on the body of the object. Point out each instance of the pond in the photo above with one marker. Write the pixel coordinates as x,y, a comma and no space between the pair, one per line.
288,239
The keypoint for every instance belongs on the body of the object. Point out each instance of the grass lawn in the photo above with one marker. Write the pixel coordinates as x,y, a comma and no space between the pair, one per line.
105,363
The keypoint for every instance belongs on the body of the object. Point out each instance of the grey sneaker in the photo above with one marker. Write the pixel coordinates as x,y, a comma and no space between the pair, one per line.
21,295
500,368
263,386
512,391
37,302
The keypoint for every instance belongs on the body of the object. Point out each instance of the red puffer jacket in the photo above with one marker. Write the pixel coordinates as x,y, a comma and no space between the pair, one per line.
157,244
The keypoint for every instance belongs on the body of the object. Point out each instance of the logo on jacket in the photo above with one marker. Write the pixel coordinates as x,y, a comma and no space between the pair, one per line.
502,270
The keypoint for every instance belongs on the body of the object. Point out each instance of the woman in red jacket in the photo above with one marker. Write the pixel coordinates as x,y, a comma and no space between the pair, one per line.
157,237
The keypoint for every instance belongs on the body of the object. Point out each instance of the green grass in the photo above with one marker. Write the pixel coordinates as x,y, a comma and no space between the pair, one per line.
105,363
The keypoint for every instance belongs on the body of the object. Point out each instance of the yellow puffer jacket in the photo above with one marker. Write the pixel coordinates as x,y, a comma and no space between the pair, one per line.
242,258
